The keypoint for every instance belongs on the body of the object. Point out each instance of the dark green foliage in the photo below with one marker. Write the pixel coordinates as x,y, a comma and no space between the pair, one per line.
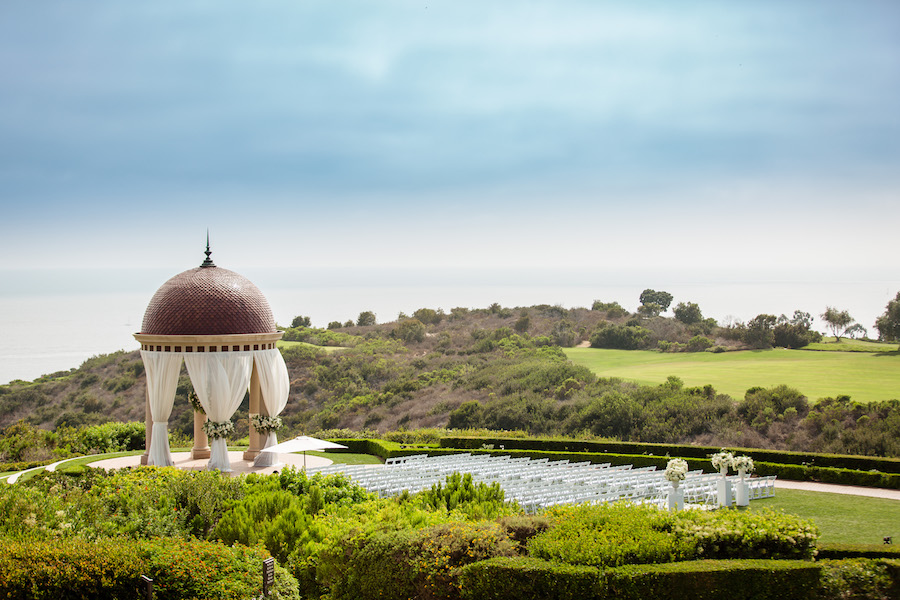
622,337
534,579
467,416
526,578
459,490
429,316
365,318
688,313
862,579
888,324
111,568
761,407
301,321
759,331
335,325
659,301
796,332
410,330
522,324
698,343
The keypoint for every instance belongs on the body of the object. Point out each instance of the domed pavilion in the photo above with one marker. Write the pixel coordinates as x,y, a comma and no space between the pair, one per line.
221,326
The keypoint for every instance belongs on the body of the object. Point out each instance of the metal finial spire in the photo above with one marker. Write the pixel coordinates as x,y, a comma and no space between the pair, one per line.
208,262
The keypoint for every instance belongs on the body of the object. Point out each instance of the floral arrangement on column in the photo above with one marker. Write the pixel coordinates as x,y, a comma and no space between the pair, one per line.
676,471
722,461
743,465
265,424
195,402
216,430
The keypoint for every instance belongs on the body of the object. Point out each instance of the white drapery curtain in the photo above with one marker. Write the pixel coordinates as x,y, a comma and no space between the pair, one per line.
220,380
275,385
162,369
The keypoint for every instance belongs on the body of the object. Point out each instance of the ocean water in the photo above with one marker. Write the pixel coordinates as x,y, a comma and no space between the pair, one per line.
50,324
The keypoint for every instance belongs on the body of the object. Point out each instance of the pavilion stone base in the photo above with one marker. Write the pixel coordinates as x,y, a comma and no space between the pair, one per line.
199,453
251,454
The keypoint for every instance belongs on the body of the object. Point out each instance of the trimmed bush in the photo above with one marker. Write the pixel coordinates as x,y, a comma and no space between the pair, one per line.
527,578
715,579
860,578
533,579
838,551
111,568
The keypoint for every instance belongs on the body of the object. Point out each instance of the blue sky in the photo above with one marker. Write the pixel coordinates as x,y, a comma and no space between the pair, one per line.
656,135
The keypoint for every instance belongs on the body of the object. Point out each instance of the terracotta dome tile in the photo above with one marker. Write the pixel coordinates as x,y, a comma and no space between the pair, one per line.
208,301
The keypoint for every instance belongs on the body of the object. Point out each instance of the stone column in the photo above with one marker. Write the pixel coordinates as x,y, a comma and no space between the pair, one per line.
256,407
201,442
148,424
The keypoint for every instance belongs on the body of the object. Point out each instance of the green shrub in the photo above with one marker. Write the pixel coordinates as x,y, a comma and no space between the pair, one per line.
742,534
526,578
533,579
860,579
111,568
623,337
714,580
610,535
460,492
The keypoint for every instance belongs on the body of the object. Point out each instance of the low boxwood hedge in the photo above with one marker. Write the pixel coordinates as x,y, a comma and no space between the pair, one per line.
838,551
529,578
836,461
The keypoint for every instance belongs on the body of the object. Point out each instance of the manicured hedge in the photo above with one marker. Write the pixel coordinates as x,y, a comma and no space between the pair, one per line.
528,578
837,461
111,568
838,551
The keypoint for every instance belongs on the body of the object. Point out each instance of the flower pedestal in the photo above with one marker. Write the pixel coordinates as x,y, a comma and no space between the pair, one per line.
723,489
742,490
676,497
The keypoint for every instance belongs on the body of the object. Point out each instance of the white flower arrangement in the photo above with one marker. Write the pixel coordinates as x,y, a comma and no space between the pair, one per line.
216,430
722,461
265,424
743,463
676,470
195,403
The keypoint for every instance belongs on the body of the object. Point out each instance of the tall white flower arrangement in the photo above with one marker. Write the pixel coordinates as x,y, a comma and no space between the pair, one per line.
743,464
722,461
676,470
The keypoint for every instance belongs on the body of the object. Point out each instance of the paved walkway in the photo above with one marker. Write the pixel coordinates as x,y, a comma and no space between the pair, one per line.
239,466
853,490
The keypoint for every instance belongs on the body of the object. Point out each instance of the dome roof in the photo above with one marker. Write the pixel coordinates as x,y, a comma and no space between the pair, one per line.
208,300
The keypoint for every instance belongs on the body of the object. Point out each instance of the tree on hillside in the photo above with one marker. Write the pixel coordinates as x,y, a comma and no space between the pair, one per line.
795,332
688,313
300,321
410,330
367,317
888,324
429,316
759,332
838,320
653,303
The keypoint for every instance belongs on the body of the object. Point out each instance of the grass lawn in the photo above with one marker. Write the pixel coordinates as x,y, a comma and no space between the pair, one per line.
841,518
829,344
864,376
329,349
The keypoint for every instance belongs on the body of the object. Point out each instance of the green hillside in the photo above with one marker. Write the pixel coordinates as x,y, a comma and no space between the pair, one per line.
864,376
